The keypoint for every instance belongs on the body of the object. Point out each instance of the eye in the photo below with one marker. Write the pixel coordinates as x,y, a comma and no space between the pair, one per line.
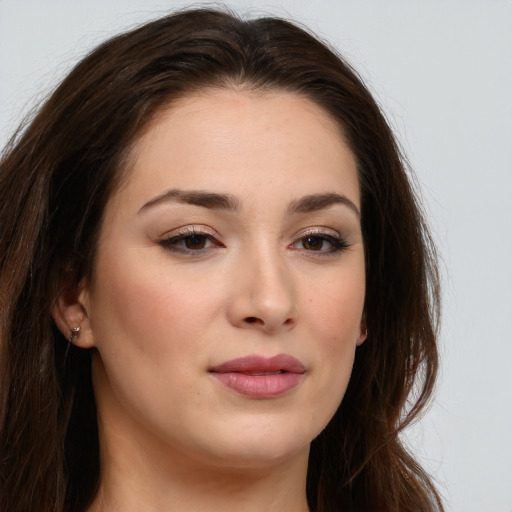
313,243
321,243
190,241
195,241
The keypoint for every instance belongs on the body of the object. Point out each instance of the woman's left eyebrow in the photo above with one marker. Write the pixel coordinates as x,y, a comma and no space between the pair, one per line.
316,202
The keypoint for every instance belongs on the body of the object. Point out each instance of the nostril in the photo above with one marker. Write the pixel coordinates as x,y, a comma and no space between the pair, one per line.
253,320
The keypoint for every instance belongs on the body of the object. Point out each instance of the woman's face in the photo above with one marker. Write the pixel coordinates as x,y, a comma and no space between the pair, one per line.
228,291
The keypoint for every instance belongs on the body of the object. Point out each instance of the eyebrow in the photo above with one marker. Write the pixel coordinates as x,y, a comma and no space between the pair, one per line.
197,198
214,200
316,202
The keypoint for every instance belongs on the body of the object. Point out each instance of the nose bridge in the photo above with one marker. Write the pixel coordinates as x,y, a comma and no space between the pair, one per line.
266,291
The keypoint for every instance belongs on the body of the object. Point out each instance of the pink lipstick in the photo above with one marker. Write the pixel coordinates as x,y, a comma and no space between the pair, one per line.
260,377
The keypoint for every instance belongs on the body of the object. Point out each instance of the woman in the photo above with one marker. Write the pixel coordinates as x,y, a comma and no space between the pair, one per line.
206,231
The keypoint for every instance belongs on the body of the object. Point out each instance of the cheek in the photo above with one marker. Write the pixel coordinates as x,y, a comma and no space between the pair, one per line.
149,324
140,301
335,307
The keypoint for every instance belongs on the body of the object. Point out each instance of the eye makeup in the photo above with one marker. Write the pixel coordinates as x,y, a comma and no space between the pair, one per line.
191,240
198,240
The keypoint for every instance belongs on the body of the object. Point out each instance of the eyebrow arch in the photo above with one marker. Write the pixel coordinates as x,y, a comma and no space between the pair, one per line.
195,197
316,202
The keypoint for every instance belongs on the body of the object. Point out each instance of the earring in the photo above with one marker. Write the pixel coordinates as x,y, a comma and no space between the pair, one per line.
74,334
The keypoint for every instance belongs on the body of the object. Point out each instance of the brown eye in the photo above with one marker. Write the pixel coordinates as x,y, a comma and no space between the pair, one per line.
191,244
195,242
320,244
313,243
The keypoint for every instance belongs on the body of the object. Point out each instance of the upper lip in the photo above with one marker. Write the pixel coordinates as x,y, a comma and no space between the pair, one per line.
255,363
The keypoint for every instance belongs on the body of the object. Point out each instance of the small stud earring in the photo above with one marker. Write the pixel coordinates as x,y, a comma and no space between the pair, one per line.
74,334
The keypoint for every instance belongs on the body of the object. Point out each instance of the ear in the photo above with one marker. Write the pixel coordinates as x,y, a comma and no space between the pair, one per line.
363,333
70,311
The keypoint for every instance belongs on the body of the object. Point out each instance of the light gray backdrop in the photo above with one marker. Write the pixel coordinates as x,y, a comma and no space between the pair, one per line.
442,70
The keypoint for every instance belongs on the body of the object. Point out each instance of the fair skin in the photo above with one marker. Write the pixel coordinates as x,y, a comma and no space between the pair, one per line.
235,234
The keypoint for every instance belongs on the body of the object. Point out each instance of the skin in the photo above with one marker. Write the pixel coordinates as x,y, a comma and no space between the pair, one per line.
159,315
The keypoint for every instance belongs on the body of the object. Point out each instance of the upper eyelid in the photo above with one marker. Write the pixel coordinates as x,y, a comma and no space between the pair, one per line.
171,241
190,231
321,230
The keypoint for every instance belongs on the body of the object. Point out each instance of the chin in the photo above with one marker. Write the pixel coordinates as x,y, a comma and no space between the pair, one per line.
261,457
258,446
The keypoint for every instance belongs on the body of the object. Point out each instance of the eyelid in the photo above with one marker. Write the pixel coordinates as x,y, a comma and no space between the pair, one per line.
318,230
337,241
173,240
196,229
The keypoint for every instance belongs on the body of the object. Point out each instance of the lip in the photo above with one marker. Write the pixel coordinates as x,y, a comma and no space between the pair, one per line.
260,377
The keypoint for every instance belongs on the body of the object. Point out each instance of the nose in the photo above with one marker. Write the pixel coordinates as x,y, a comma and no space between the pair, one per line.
264,295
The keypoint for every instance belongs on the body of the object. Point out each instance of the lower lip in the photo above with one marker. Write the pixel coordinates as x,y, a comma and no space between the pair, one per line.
259,386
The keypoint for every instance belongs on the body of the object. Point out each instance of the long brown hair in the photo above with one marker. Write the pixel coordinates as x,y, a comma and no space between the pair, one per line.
56,176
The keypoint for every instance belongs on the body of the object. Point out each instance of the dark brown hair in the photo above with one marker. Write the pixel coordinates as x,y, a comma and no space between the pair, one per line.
56,176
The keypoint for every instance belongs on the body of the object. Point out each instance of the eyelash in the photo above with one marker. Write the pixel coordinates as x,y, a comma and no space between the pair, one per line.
338,243
187,234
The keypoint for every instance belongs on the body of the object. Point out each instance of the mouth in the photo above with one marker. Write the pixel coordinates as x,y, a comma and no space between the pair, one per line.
260,377
259,374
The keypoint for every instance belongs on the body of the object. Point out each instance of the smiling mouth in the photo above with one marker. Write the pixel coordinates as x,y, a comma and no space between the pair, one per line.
260,377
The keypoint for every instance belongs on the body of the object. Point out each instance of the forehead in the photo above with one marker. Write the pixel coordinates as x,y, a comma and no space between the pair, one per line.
241,142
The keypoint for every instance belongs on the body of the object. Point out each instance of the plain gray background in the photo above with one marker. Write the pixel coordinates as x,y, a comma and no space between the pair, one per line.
442,71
